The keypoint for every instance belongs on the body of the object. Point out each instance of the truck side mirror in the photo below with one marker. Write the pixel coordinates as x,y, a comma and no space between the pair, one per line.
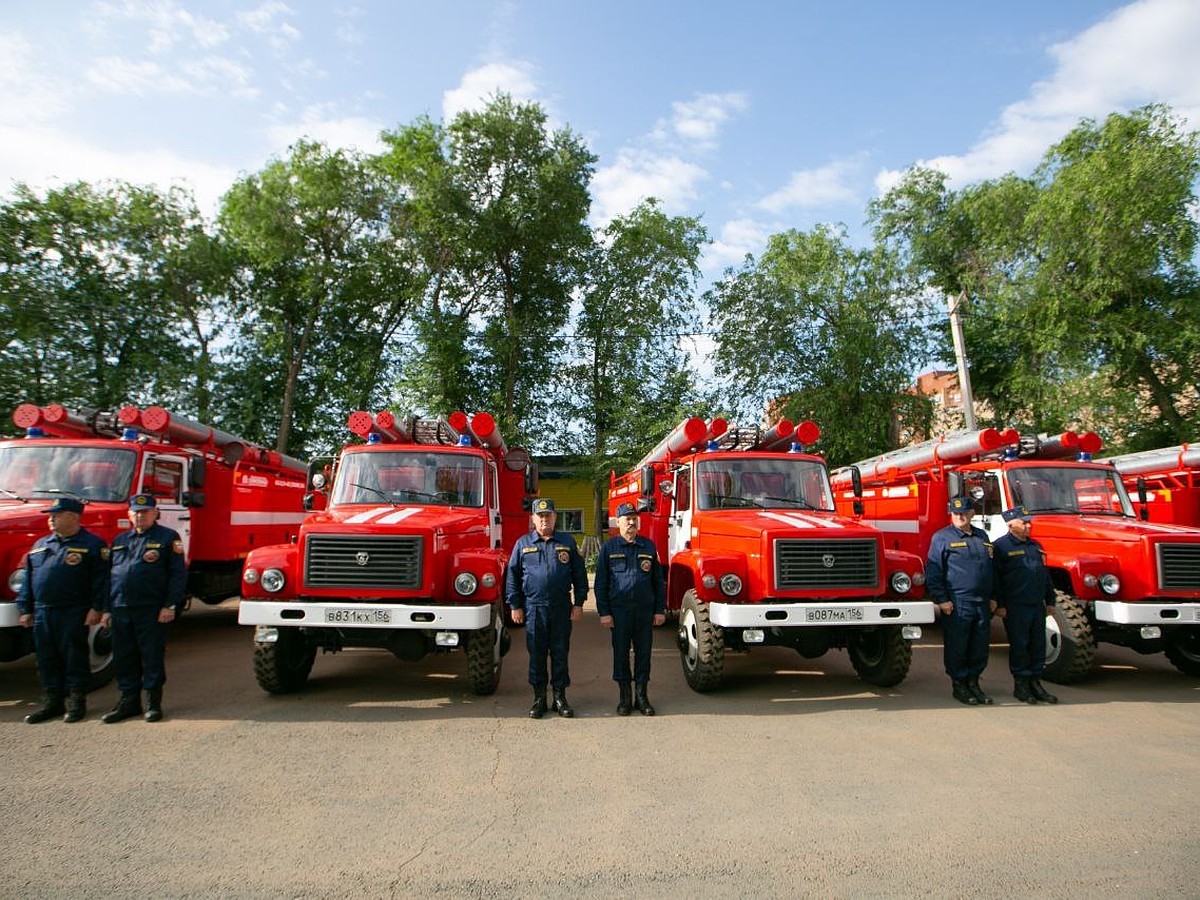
1144,512
193,499
954,484
531,482
646,481
196,473
856,486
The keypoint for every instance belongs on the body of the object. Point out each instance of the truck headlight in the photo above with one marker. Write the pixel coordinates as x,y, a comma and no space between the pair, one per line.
730,585
1110,584
901,582
250,576
273,580
465,583
16,579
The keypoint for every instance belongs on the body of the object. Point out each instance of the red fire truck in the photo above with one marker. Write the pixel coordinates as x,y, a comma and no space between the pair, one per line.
222,494
1166,483
407,555
755,554
1118,579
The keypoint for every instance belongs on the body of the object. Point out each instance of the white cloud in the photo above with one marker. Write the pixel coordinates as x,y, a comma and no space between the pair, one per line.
29,94
319,123
262,18
165,21
639,174
737,238
1143,53
699,121
46,158
479,85
828,185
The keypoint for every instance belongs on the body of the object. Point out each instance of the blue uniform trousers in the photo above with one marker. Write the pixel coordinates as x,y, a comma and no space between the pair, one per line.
633,627
139,648
60,640
965,638
1026,627
548,632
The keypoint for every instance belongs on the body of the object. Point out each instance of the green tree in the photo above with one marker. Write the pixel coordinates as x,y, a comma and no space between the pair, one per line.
96,308
498,207
631,379
321,291
818,330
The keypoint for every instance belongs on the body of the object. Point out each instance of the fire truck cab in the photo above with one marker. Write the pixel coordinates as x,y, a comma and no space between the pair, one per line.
1118,579
755,553
404,551
222,494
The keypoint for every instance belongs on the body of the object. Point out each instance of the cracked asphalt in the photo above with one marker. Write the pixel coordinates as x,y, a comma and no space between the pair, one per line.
389,779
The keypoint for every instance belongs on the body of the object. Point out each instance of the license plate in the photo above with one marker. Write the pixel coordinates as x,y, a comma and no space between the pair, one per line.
838,614
358,616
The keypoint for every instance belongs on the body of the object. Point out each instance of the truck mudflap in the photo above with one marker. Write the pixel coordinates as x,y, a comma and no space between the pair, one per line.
424,616
813,615
10,614
1146,613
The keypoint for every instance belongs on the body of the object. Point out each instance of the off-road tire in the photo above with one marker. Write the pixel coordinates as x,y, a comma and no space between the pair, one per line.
1183,649
484,651
881,656
1070,641
282,667
701,645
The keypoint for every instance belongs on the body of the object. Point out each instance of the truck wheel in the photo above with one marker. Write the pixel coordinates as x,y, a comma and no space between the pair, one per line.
282,667
701,645
100,657
1070,643
881,656
1183,649
484,649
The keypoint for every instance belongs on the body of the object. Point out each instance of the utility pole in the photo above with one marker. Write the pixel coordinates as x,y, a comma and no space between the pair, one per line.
960,354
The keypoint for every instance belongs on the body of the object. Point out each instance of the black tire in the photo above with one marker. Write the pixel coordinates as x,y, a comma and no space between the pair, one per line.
282,667
484,652
701,645
1070,642
100,656
1183,649
880,655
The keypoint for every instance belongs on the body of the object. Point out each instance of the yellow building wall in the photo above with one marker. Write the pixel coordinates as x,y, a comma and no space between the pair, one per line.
571,494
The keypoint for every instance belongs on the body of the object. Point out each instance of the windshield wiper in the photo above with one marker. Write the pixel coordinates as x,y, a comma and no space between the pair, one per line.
725,499
797,500
1054,509
383,495
14,496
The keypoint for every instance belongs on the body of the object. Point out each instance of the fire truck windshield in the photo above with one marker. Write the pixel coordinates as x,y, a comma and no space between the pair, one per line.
34,470
762,482
1077,490
410,476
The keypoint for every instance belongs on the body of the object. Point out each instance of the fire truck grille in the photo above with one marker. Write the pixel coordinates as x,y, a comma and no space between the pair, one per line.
819,565
1179,566
363,562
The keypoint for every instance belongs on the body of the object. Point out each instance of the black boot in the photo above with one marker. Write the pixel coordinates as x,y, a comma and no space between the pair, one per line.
640,701
154,704
977,691
76,706
625,704
963,694
128,706
1040,692
539,703
52,707
1022,691
561,706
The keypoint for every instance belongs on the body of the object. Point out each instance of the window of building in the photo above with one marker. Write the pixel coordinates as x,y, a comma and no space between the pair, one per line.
571,520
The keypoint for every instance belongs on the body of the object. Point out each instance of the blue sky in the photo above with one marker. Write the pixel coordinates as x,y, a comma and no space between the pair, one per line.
756,116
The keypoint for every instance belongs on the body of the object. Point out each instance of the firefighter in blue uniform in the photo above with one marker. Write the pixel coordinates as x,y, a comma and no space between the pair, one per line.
63,594
544,568
1024,597
148,580
960,579
631,600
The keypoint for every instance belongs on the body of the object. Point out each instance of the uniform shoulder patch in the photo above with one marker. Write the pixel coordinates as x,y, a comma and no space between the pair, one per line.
958,543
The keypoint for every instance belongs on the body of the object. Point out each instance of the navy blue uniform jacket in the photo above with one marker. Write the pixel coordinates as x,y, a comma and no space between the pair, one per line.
1021,576
629,574
148,569
66,572
959,566
542,572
